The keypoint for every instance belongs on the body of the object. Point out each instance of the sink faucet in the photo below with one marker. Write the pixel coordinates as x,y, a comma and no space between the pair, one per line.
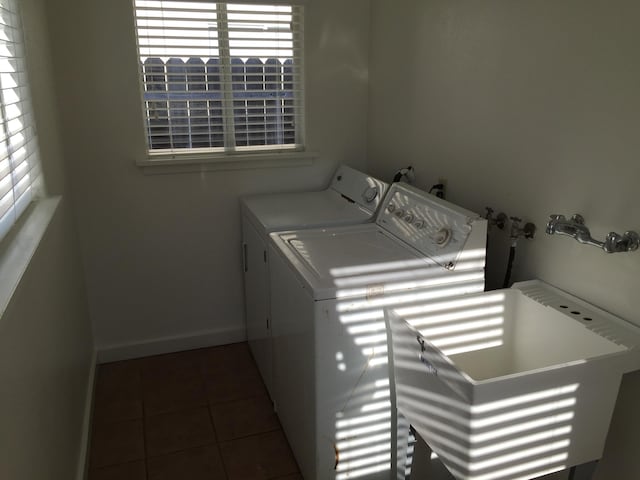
575,228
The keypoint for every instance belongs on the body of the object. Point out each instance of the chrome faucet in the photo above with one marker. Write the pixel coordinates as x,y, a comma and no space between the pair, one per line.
575,228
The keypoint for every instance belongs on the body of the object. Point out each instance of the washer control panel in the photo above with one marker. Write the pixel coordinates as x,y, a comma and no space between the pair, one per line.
432,226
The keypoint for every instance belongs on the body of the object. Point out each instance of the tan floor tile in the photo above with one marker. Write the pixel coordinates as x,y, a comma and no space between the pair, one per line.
172,367
118,394
118,377
243,418
173,391
126,471
234,359
173,432
115,443
174,395
259,457
108,409
203,463
228,387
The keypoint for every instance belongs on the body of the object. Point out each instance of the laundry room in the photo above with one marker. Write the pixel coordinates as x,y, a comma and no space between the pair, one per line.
529,108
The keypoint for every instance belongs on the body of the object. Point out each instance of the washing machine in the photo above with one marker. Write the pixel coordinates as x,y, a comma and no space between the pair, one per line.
329,289
352,197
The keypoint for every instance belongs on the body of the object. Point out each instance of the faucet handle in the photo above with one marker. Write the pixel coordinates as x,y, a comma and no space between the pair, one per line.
515,226
628,242
499,221
633,240
612,242
551,224
529,230
577,218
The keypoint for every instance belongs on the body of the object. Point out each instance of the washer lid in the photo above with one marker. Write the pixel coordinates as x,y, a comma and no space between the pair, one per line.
352,197
359,260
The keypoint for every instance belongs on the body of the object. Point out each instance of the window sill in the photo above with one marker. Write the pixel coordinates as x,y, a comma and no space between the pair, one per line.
19,246
190,163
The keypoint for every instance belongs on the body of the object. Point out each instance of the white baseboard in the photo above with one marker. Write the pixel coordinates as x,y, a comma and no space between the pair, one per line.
83,457
210,338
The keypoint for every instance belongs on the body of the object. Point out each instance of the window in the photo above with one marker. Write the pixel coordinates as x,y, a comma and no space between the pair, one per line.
220,77
20,179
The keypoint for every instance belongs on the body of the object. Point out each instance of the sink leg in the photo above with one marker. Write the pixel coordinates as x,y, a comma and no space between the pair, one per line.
583,472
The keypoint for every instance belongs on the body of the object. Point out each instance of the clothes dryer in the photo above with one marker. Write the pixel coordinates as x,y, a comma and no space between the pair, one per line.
329,288
352,197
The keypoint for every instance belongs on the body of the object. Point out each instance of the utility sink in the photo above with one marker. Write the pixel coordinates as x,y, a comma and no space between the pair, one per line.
513,383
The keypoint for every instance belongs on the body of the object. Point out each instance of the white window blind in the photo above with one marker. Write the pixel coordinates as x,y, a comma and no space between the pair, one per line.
221,76
20,178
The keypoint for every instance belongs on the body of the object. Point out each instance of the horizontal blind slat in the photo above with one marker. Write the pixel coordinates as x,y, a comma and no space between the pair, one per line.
24,198
6,204
6,184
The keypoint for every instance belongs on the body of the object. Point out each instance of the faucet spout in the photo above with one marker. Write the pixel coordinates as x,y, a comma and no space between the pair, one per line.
584,237
573,227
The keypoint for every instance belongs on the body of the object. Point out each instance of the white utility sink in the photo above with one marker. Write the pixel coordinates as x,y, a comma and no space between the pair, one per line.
512,383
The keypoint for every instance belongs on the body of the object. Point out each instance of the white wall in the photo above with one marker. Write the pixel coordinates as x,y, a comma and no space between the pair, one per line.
162,252
530,107
46,348
46,359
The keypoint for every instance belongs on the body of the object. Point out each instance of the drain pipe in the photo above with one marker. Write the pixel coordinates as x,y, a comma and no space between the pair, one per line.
517,232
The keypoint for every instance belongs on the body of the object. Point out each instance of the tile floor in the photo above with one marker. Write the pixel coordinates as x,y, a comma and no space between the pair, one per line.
196,415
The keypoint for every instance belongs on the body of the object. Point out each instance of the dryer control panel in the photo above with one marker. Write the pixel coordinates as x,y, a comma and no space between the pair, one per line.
434,227
360,188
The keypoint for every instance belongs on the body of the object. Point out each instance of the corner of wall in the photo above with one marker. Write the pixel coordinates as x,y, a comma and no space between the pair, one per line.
85,441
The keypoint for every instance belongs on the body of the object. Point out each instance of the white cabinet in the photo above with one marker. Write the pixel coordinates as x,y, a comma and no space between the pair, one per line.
256,286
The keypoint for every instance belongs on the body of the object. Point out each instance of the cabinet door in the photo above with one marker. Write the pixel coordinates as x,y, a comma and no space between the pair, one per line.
256,290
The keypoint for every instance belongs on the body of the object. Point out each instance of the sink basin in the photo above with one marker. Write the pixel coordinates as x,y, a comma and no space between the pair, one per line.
512,383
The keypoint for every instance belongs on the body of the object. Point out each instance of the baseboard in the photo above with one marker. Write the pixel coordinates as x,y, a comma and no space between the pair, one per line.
83,457
210,338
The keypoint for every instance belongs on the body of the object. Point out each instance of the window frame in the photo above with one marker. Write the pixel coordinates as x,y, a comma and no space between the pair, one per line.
232,156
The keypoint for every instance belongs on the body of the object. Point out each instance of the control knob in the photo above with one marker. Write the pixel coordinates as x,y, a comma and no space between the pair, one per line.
370,194
442,237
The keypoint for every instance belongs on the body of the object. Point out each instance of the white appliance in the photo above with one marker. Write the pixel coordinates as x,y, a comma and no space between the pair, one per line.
329,288
352,197
510,384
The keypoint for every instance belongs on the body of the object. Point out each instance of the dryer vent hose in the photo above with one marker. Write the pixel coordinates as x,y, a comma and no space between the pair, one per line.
407,175
507,274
